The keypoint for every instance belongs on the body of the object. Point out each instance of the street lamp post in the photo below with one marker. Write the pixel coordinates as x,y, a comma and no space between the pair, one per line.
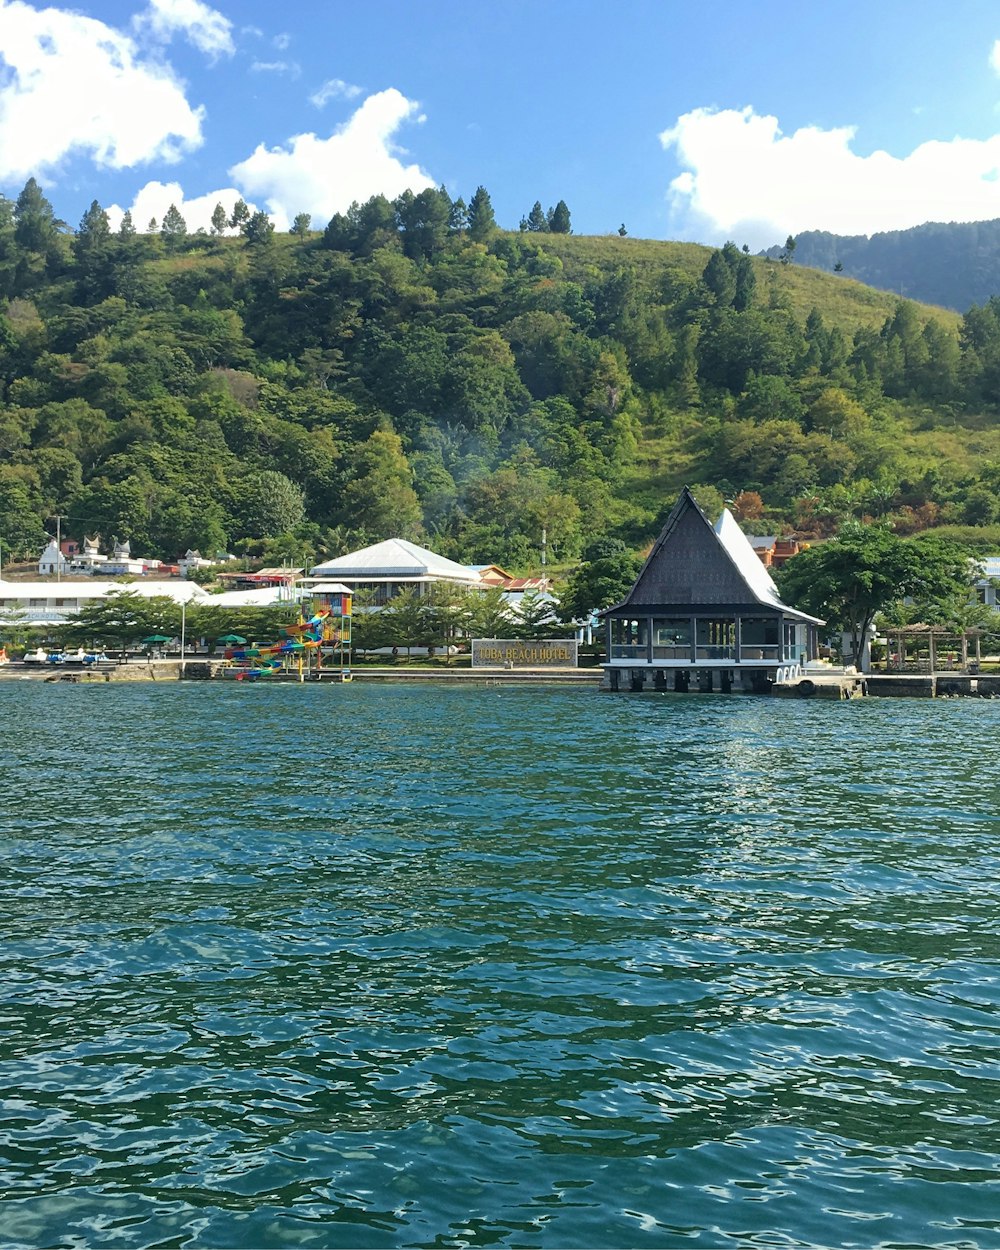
183,631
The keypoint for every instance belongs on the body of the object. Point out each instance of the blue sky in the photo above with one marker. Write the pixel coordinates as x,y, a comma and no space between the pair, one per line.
687,121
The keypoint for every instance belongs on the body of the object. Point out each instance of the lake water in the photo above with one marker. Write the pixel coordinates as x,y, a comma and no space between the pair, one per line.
503,966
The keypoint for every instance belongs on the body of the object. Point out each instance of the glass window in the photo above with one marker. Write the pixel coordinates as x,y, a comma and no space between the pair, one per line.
629,639
716,639
760,638
672,638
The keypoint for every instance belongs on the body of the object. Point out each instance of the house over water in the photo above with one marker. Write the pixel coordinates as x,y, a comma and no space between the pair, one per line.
704,613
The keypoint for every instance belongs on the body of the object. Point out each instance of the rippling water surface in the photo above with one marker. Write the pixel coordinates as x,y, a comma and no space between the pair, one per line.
361,966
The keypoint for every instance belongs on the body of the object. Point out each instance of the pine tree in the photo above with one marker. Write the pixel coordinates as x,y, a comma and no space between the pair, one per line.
301,225
558,219
219,220
240,214
92,252
746,283
458,218
258,228
537,222
718,276
35,224
174,227
482,223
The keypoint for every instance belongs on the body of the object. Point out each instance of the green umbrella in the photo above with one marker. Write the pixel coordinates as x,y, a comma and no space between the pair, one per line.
231,639
156,638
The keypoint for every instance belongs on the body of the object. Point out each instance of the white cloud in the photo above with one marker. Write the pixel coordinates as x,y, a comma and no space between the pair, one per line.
333,89
72,84
322,176
995,56
276,67
206,28
156,197
746,180
281,41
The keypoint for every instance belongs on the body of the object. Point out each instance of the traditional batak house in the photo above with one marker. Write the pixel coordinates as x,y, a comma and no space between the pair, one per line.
704,613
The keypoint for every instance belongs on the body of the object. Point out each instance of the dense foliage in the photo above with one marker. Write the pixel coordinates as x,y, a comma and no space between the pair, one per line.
412,370
867,569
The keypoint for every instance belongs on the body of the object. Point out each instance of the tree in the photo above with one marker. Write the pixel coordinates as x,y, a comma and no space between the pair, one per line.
746,282
15,629
720,279
92,249
380,497
482,223
534,616
558,219
423,220
865,570
536,221
258,228
269,504
407,620
173,228
35,224
622,231
748,506
301,225
239,215
486,614
219,220
604,578
788,255
458,217
122,617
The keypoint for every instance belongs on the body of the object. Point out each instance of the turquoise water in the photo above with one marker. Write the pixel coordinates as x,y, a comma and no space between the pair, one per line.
362,966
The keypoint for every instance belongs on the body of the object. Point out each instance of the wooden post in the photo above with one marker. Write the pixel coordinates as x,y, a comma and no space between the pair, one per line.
930,640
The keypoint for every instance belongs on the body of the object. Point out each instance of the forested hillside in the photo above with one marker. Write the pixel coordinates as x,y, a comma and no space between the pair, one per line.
412,370
955,264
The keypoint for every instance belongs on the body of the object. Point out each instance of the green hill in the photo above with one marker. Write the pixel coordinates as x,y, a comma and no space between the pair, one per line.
414,371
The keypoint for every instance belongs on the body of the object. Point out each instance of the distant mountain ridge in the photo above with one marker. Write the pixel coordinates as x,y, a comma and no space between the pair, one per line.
953,264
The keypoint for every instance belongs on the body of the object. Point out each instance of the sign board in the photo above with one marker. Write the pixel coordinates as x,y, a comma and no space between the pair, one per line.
515,653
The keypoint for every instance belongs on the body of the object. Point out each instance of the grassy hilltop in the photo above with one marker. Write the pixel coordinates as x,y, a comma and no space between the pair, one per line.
413,371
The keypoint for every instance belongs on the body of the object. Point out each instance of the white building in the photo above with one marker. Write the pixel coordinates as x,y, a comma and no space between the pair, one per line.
389,567
52,603
122,563
192,559
89,559
52,561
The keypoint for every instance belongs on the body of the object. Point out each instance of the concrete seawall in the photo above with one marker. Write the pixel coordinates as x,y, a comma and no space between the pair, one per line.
814,686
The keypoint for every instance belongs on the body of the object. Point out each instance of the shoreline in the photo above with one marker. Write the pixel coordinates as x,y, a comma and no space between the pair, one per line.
202,670
947,685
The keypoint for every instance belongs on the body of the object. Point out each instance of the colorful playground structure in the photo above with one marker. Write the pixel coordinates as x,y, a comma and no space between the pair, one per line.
312,648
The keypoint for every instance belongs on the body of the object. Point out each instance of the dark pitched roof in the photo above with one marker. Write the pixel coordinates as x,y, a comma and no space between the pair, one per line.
695,563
